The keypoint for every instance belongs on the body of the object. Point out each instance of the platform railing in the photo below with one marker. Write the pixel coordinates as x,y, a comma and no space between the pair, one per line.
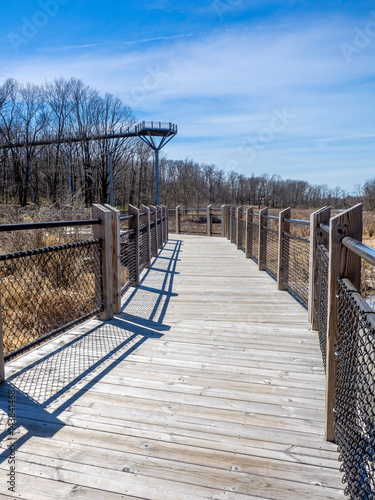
324,273
45,291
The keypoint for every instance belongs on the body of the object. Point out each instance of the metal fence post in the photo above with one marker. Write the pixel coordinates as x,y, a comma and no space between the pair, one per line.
281,261
249,230
262,244
148,222
209,220
116,258
223,220
104,232
317,235
342,264
134,224
239,217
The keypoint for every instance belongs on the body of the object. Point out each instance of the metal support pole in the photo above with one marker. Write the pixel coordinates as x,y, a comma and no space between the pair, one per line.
157,176
110,156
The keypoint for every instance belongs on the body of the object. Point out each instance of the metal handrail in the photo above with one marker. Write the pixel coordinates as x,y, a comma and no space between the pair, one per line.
271,217
364,251
324,227
298,221
126,217
44,225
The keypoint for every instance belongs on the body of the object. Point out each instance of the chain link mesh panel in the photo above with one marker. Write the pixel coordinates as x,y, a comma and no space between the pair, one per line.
241,234
143,247
216,223
253,237
128,263
48,290
233,236
154,248
172,227
355,395
227,223
321,311
270,250
295,266
194,222
158,228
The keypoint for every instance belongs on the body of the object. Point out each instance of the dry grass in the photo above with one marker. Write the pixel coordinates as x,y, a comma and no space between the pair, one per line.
42,293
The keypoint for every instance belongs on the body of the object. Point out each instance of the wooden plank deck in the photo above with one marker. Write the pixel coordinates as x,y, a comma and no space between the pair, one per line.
209,385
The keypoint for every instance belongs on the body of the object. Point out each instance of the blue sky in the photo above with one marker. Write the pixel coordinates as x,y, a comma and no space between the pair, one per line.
256,86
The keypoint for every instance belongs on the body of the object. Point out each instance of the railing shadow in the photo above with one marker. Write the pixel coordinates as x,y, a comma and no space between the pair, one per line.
46,388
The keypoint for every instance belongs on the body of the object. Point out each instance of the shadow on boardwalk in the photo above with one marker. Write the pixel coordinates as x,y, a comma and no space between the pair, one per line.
44,389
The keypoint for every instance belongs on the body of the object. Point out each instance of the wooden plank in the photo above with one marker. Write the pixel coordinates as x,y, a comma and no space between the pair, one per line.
192,390
342,264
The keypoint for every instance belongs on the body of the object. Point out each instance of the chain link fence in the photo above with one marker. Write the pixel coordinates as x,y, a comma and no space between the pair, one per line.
233,235
270,250
193,221
216,223
321,298
143,246
253,237
355,393
39,293
295,266
128,273
154,247
241,234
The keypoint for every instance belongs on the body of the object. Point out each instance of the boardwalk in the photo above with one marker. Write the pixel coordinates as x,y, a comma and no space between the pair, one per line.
209,385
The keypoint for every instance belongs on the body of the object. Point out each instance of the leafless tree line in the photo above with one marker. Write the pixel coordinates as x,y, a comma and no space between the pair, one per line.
70,108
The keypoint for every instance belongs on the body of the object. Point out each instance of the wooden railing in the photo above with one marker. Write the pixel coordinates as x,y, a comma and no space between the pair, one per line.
98,271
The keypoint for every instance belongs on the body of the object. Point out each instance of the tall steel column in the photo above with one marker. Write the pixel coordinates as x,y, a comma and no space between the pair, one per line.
148,132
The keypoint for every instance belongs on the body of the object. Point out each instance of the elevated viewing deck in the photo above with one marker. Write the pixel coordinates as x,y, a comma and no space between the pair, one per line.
209,384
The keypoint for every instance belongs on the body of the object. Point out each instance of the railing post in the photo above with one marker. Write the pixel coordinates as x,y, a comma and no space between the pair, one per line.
223,220
154,218
317,235
281,263
178,219
134,224
233,227
239,217
342,264
116,258
209,220
262,242
249,229
2,362
229,235
103,231
147,218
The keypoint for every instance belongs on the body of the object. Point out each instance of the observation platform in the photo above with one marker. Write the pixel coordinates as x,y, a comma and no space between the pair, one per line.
208,385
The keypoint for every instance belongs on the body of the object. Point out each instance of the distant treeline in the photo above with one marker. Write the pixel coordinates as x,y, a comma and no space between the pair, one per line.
66,108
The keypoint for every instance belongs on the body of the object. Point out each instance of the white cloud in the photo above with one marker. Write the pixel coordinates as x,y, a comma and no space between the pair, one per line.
224,87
